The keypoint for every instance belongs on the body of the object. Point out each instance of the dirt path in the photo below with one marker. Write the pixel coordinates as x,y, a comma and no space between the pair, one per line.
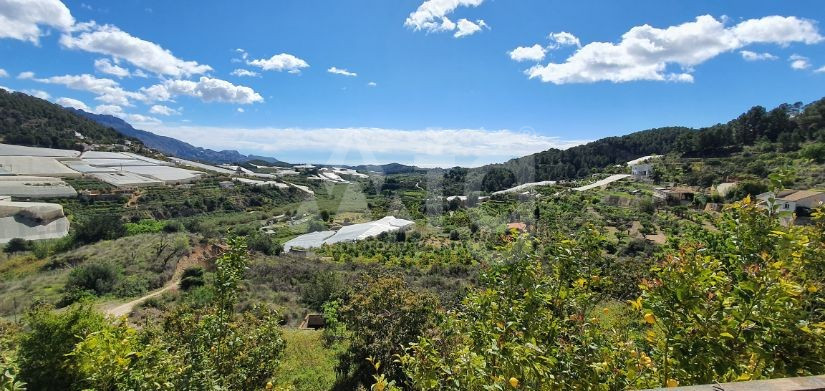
126,308
199,256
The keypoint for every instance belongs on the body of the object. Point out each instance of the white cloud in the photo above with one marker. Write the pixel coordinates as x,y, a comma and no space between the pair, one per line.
39,94
25,75
3,73
240,109
133,119
372,84
799,62
21,19
438,146
646,52
563,39
103,65
110,40
107,90
74,103
244,72
748,55
163,110
341,71
431,16
207,89
820,70
7,89
466,27
528,53
280,62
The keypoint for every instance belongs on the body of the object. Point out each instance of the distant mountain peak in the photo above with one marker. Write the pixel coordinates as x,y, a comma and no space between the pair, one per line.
169,145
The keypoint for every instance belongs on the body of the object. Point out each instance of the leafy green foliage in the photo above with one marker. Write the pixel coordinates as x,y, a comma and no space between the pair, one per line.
381,315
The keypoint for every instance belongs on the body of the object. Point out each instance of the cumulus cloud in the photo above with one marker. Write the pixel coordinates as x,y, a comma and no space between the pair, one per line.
436,146
111,41
39,94
563,39
341,71
240,109
528,53
372,84
646,52
465,27
3,73
207,89
820,70
163,110
25,75
748,55
103,65
133,119
22,20
73,103
431,16
799,62
108,91
245,73
280,62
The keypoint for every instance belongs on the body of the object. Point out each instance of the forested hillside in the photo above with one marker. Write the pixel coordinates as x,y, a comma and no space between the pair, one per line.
26,120
788,125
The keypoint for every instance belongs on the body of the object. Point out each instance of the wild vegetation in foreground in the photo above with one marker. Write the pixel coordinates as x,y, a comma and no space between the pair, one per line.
187,287
742,301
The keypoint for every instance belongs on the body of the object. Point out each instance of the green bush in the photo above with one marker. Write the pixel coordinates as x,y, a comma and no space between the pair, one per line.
51,336
97,277
191,277
17,245
97,228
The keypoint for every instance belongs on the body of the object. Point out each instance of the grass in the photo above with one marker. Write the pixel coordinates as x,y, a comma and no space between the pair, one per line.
306,364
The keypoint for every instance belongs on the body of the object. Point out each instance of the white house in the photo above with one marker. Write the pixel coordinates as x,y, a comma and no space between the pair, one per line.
789,200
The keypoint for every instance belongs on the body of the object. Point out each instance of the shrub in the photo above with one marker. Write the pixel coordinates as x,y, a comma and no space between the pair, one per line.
97,228
815,152
17,245
51,336
97,277
383,315
264,243
191,277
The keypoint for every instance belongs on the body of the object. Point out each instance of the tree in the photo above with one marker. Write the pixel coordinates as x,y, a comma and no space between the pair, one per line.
17,245
742,303
44,358
382,315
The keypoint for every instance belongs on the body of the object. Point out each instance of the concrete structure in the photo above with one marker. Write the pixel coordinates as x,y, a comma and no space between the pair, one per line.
31,221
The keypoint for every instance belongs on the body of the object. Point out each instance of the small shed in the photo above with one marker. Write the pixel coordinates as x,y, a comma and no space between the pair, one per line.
520,227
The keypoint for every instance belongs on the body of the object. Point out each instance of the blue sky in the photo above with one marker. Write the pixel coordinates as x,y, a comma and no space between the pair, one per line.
436,82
